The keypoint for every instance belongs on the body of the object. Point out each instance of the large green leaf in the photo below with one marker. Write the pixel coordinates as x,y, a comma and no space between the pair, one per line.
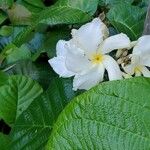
114,115
129,20
16,96
33,127
54,15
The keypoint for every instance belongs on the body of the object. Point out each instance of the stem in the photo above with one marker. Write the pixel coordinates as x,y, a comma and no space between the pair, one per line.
10,67
147,23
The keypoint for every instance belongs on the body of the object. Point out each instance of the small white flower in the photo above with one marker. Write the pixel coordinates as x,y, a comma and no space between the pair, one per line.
140,58
86,55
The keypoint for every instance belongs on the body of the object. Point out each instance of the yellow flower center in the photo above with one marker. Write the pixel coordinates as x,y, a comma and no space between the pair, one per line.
97,58
137,69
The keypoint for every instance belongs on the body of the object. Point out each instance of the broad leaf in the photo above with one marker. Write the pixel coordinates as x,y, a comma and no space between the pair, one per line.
16,96
114,115
33,127
126,21
54,15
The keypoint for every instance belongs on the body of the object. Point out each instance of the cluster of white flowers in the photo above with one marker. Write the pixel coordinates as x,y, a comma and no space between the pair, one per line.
86,55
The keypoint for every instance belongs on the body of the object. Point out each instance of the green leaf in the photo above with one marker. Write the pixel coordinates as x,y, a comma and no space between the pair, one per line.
47,42
84,5
16,96
145,3
113,2
5,4
14,53
3,17
32,8
40,72
114,115
3,78
6,30
52,38
19,15
54,15
37,3
129,20
4,141
33,127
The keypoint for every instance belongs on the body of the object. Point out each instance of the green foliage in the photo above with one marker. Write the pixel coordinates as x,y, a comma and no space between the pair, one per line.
16,95
53,16
3,78
113,2
33,127
39,72
83,5
5,31
33,99
37,3
114,115
126,21
5,4
19,15
14,53
3,17
4,141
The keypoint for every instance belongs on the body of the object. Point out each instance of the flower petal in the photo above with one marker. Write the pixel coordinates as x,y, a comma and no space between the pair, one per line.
118,41
61,48
145,60
129,69
145,72
89,79
112,68
90,35
58,65
143,46
76,61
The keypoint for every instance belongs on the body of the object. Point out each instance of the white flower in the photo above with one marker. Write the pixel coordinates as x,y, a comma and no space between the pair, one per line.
58,63
140,58
85,55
